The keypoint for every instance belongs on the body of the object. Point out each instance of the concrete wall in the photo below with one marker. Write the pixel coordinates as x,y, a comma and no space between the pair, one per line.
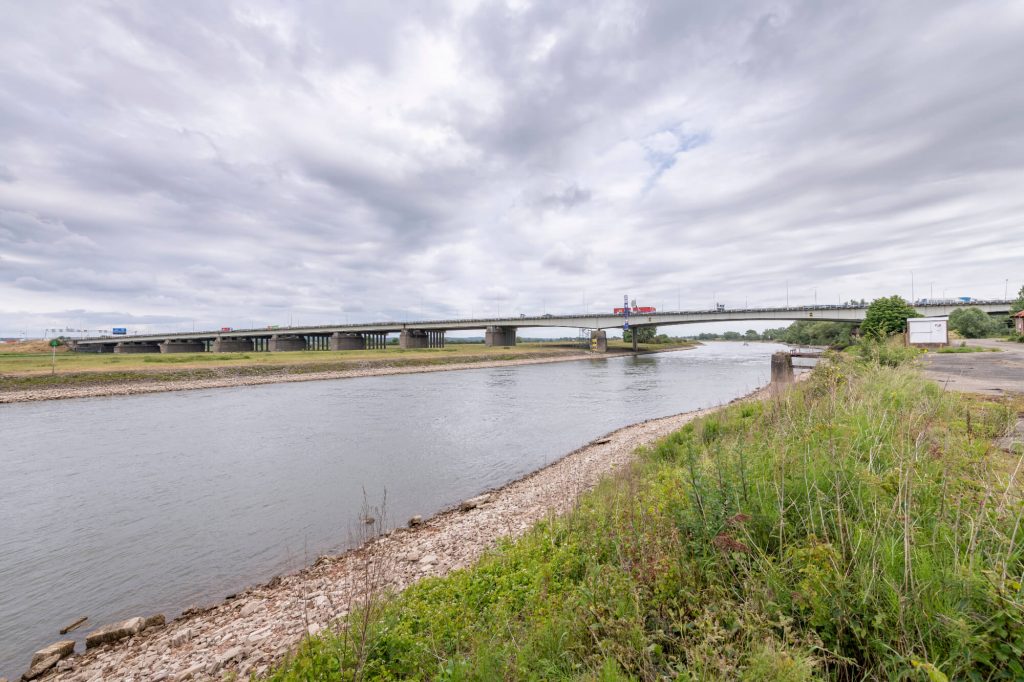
599,341
341,341
413,338
283,342
231,345
500,336
170,346
130,347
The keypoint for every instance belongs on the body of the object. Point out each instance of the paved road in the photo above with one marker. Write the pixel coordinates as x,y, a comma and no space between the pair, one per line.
987,373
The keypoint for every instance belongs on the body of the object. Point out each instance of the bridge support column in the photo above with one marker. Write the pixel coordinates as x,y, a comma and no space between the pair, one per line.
376,340
500,336
782,368
599,341
413,338
286,342
231,345
137,347
343,341
435,339
182,346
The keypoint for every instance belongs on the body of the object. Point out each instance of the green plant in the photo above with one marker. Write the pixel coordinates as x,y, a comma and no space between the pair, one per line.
973,323
887,316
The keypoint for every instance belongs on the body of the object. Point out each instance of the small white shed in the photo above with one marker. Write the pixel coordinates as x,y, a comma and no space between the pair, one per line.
928,331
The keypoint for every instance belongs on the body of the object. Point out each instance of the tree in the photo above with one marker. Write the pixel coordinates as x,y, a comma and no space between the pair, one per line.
752,335
1018,305
643,334
887,316
972,323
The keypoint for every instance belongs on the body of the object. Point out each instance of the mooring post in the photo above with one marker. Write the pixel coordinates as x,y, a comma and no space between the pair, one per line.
782,368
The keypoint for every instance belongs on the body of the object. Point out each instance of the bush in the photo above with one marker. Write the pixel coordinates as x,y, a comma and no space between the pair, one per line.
973,323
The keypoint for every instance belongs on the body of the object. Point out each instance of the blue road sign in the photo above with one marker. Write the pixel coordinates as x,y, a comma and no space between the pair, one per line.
119,330
625,326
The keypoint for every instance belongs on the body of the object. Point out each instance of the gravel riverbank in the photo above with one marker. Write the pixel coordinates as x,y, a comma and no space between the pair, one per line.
255,629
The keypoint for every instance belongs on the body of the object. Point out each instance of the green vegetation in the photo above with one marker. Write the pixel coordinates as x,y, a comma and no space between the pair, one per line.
974,323
808,333
967,349
887,316
643,334
859,526
1018,305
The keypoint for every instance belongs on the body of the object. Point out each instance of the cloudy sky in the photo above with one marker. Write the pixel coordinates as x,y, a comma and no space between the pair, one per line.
164,164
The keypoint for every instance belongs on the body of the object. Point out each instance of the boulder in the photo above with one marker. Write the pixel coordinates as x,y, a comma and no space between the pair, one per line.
157,620
41,667
60,649
474,502
415,521
114,632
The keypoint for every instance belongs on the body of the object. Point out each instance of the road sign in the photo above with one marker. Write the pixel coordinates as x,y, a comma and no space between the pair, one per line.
119,331
625,326
55,343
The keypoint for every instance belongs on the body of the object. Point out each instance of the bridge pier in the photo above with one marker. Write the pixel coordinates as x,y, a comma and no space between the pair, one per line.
182,346
345,341
137,347
376,340
500,336
599,341
413,338
435,339
231,345
280,343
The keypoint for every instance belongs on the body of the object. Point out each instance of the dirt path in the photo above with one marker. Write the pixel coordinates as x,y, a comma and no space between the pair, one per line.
253,631
996,373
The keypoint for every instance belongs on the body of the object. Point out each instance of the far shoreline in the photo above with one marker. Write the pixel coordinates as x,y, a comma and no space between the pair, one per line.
158,385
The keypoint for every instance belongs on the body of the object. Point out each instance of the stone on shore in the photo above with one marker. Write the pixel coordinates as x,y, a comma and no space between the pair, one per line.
60,649
114,632
474,502
157,620
416,521
40,667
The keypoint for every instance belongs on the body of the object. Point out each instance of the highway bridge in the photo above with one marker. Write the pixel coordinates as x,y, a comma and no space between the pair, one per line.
499,331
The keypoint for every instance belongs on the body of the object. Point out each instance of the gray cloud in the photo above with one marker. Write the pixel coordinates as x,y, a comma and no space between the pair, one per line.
235,162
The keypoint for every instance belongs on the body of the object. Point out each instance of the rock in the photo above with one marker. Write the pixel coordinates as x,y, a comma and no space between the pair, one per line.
474,502
181,637
114,632
189,672
411,556
314,629
249,609
61,649
275,581
66,664
72,625
416,521
40,667
157,620
429,560
368,520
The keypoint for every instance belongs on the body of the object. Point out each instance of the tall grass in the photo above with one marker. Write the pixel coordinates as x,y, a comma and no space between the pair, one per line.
860,526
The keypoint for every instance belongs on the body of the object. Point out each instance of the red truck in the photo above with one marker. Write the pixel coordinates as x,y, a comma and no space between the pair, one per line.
636,310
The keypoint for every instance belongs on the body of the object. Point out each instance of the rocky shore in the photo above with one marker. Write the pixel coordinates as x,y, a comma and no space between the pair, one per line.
252,631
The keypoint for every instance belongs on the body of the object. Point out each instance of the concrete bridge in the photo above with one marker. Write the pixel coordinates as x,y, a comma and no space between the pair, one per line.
497,331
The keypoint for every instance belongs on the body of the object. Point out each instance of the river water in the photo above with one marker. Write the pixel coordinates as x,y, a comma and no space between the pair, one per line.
124,506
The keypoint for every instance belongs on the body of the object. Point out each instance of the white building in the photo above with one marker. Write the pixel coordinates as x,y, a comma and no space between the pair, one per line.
928,331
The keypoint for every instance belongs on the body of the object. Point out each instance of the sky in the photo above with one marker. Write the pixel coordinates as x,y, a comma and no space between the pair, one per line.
170,165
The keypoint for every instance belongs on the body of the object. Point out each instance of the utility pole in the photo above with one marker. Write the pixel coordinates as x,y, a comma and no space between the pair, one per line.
911,286
787,293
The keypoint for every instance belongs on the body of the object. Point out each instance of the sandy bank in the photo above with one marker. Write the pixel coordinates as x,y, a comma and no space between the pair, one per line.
253,631
156,385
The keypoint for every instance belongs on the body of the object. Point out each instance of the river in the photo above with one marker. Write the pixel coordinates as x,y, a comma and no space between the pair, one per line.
123,506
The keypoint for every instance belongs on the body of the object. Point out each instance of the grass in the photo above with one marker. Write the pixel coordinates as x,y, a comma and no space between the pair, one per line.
860,526
967,349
